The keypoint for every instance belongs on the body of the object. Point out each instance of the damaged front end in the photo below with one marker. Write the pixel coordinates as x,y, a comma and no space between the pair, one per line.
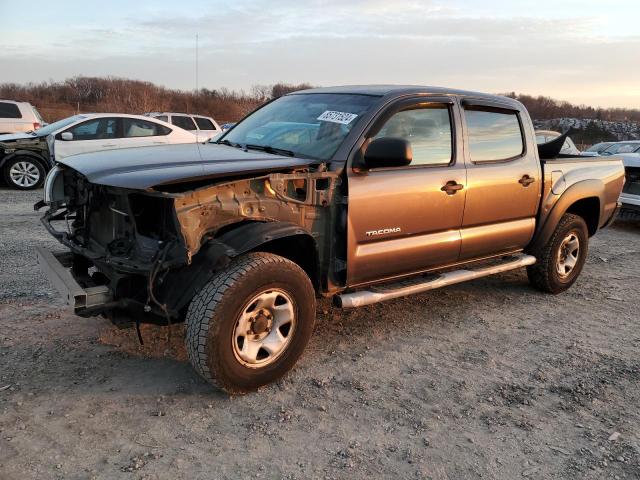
141,255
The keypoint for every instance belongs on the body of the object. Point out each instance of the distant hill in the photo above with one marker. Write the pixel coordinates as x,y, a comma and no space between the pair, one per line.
546,108
57,100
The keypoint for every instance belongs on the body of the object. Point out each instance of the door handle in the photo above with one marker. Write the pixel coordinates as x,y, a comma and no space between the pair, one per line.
526,180
109,145
451,187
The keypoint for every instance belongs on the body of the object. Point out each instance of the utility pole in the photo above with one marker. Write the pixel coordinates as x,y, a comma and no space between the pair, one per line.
197,65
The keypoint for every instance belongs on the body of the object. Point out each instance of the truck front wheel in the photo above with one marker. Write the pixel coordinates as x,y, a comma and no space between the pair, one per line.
560,261
249,325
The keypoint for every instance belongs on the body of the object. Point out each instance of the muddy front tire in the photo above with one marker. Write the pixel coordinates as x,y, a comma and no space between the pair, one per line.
560,261
249,325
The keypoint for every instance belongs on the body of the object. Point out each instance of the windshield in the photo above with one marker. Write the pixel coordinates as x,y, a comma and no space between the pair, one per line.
308,125
598,147
52,127
622,148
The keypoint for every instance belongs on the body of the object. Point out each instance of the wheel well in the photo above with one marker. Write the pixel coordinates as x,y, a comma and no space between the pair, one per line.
589,210
300,249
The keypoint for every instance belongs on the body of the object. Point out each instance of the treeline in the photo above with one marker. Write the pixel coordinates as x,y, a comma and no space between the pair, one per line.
56,100
546,108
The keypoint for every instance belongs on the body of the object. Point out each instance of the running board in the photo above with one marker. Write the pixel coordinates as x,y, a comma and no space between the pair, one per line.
410,287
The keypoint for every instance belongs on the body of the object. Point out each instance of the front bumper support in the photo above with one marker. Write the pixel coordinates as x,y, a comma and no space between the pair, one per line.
57,267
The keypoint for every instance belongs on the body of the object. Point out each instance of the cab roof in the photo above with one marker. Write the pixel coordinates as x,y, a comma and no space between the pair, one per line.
393,91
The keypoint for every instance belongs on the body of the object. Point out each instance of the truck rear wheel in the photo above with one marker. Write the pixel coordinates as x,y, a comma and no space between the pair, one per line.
249,325
560,261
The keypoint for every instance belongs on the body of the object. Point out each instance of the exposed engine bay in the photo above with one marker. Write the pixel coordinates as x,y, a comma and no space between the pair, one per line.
154,248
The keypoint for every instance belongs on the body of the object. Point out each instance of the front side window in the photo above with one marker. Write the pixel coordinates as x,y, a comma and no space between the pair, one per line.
96,129
134,127
183,122
311,125
494,134
204,123
163,118
428,130
9,110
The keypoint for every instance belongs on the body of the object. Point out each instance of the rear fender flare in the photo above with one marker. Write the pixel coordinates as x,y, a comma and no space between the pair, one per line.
578,191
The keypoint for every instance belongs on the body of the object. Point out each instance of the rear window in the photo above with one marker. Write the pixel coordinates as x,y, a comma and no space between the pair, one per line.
204,123
9,110
494,134
183,122
134,127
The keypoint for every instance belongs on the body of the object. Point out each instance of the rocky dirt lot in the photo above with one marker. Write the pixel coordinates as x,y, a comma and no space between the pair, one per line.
488,379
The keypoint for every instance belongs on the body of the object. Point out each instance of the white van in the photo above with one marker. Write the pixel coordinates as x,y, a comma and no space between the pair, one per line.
203,127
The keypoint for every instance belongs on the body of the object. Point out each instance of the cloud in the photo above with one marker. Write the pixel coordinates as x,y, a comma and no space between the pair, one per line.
566,54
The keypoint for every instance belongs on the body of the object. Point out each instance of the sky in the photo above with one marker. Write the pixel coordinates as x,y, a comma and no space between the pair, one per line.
583,51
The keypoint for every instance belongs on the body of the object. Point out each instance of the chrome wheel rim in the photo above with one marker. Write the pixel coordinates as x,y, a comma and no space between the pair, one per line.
568,255
24,174
264,328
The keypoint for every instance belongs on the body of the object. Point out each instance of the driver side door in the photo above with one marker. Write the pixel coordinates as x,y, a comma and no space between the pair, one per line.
403,220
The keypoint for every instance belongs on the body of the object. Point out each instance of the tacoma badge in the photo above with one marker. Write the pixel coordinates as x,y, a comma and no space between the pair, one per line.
383,231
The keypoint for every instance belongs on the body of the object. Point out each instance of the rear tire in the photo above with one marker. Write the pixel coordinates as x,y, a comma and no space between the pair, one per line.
560,261
249,325
24,173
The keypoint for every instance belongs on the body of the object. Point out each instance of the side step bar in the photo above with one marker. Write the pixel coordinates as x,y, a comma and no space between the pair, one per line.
410,287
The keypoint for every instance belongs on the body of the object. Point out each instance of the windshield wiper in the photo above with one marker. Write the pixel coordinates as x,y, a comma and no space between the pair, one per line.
227,142
270,149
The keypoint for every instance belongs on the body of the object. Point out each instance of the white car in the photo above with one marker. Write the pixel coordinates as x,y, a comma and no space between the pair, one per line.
630,196
109,131
19,117
203,127
25,158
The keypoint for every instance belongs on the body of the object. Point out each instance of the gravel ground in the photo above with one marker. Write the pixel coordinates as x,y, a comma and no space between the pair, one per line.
488,379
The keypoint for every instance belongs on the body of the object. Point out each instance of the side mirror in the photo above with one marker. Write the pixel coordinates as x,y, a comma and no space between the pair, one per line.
388,152
66,136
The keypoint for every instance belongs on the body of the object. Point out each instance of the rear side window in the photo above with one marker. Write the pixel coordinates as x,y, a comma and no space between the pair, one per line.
162,118
97,129
427,129
9,110
494,134
183,122
134,127
204,123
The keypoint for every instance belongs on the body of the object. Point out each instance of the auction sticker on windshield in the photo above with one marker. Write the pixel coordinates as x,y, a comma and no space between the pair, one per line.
344,118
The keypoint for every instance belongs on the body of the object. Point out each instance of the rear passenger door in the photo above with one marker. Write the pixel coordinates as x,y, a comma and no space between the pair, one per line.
89,136
142,133
503,179
402,220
